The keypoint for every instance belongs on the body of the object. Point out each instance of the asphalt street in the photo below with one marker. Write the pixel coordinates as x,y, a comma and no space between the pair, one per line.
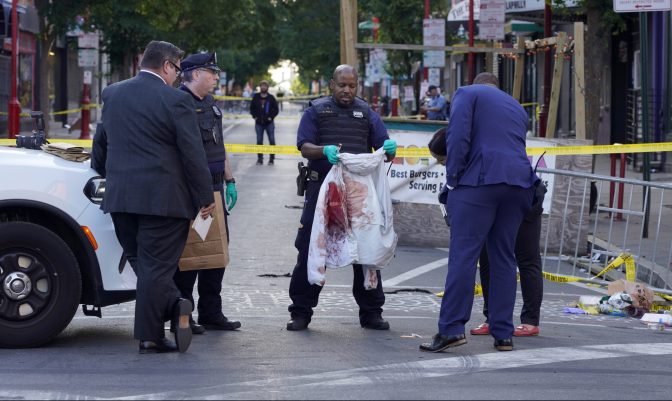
575,357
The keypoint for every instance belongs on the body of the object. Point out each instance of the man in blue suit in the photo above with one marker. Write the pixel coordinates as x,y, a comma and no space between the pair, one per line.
491,185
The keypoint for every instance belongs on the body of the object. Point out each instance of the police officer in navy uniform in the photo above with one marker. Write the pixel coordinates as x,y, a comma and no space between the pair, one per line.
346,122
200,75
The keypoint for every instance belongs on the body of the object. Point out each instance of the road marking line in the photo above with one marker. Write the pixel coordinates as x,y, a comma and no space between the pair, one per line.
413,371
415,272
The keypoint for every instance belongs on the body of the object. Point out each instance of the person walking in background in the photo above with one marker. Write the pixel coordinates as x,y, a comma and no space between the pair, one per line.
157,179
436,109
491,186
528,255
264,109
344,120
200,74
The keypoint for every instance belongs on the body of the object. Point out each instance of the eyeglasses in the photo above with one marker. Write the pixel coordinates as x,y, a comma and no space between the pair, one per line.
178,70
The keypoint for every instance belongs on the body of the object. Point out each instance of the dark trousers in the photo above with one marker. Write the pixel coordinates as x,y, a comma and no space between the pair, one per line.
528,259
153,246
209,284
209,290
270,131
304,296
489,215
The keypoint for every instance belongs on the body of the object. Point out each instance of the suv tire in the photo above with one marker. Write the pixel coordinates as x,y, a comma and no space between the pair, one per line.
40,284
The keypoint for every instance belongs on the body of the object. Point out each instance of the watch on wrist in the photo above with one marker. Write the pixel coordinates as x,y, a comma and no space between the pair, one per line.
231,181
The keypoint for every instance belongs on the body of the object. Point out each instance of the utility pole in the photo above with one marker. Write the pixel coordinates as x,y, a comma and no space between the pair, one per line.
85,131
349,32
543,113
425,70
14,107
470,57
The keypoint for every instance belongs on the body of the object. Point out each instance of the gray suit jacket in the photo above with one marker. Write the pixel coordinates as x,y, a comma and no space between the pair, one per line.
149,150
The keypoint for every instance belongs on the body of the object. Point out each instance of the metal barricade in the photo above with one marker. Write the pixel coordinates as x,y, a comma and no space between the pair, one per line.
580,241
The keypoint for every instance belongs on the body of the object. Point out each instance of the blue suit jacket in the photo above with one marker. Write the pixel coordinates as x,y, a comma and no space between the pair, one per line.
486,139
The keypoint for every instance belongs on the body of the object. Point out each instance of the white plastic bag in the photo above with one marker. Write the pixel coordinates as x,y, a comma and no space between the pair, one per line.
353,220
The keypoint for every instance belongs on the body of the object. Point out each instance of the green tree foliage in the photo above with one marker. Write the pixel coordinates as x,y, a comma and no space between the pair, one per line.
252,44
401,23
309,35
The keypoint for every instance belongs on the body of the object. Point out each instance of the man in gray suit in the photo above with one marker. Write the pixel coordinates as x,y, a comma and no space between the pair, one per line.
157,179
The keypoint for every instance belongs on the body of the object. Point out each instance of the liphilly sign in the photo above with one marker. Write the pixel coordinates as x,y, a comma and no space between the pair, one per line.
460,10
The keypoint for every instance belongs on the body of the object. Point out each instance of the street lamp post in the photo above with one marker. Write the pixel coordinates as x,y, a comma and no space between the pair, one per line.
14,107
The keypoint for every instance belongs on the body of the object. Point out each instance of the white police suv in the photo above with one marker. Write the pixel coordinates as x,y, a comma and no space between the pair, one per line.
57,248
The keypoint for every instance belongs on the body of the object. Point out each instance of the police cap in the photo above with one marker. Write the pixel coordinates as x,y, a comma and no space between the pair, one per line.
200,60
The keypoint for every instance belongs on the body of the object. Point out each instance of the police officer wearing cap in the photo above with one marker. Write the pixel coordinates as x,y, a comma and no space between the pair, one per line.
200,75
340,122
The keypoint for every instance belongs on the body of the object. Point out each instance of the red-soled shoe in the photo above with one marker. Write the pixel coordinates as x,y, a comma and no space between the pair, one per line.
481,330
526,331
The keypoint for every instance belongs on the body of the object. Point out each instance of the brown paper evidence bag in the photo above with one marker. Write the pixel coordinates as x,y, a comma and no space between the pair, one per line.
213,253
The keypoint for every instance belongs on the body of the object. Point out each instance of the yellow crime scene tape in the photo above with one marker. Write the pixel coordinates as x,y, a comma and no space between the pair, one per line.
630,273
279,98
58,113
630,270
424,152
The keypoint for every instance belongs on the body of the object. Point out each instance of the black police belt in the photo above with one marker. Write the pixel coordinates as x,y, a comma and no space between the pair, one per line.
315,176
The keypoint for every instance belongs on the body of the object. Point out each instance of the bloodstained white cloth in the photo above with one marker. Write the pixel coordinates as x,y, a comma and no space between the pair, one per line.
353,221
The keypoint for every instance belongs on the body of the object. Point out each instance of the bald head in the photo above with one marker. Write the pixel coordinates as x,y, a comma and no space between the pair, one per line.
344,69
486,78
343,84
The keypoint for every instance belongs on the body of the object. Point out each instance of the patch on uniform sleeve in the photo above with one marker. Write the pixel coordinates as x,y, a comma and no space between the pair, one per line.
358,114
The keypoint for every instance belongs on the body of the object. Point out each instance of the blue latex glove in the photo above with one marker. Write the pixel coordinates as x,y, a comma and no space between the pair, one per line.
231,195
331,151
390,146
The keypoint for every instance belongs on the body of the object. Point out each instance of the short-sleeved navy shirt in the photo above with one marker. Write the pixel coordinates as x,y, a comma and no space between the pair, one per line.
308,133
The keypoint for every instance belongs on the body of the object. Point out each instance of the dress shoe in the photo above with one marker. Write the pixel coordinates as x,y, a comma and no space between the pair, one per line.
504,344
482,329
375,323
181,314
260,162
219,323
270,162
441,342
157,347
526,331
195,327
297,323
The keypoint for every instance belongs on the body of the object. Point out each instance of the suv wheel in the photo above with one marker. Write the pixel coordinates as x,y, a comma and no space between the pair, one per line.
40,284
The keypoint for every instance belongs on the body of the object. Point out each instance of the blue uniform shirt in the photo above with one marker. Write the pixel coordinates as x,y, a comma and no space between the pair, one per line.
308,133
437,101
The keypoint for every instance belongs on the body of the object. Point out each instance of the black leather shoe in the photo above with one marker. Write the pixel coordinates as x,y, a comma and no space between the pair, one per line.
375,323
195,327
440,343
181,315
297,323
260,162
219,323
157,347
504,345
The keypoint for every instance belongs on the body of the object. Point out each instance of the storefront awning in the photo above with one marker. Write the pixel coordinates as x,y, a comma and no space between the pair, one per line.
522,27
